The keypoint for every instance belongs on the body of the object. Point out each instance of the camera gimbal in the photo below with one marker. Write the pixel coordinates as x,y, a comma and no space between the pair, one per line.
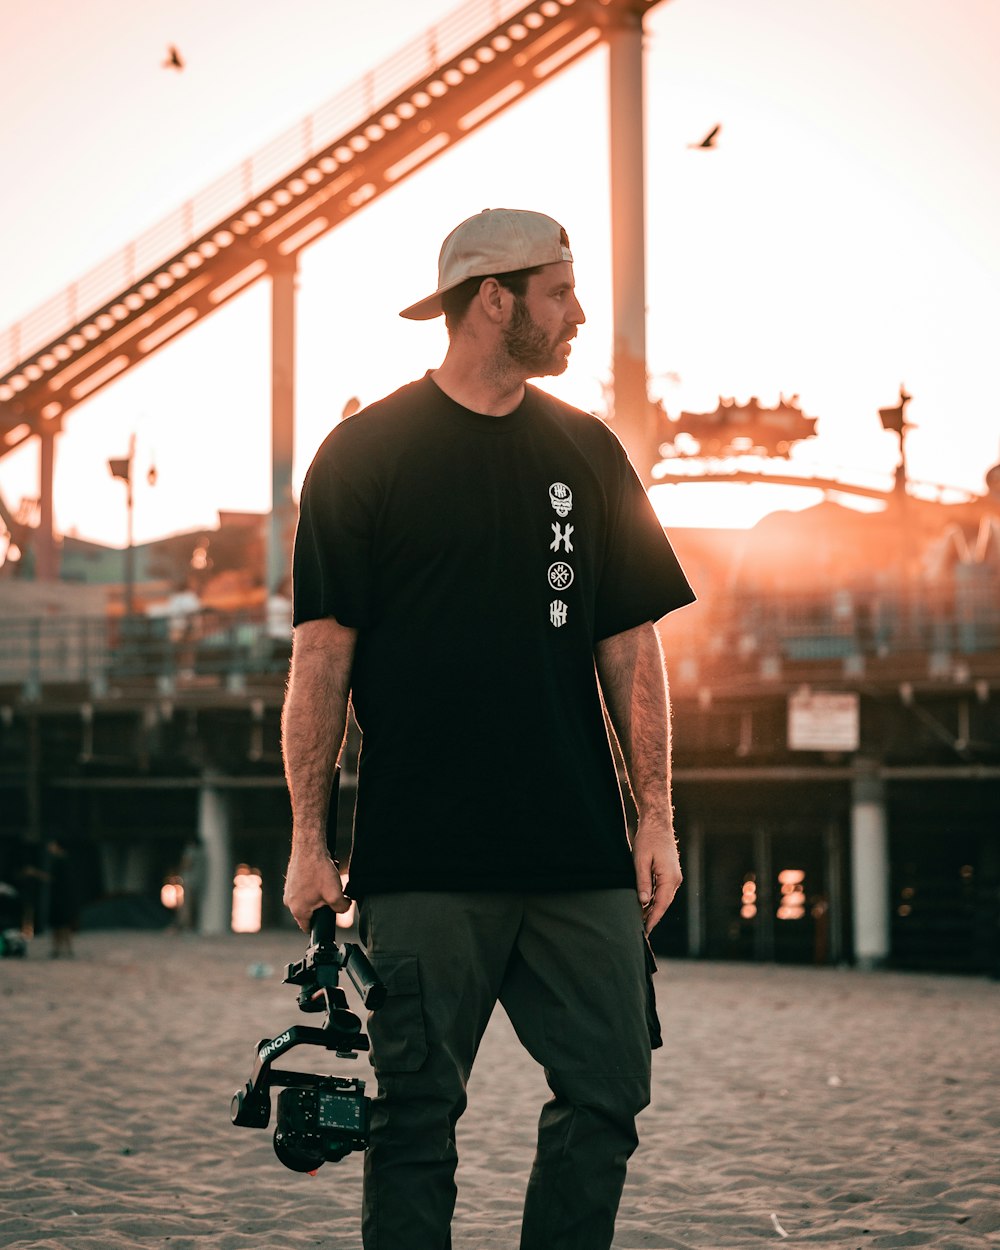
320,1118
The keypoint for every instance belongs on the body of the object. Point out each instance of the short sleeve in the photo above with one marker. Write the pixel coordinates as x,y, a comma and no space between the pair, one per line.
641,578
331,563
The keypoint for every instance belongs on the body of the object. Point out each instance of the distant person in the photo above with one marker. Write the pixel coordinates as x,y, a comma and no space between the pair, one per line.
32,880
181,608
192,875
63,911
467,549
279,612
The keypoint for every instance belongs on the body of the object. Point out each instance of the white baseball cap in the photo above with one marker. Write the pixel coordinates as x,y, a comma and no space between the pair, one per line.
497,240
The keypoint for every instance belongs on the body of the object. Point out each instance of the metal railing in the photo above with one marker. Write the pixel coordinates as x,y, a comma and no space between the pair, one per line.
106,651
437,46
959,620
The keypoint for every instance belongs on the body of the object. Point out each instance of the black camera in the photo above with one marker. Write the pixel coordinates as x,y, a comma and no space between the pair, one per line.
324,1123
320,1118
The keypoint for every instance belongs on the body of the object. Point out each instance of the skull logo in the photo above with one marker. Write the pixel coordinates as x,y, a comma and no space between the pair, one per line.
561,498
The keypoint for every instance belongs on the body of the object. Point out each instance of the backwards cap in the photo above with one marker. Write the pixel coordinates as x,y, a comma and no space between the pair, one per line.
497,240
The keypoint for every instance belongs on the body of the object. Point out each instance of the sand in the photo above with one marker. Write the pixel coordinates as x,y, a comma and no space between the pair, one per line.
791,1107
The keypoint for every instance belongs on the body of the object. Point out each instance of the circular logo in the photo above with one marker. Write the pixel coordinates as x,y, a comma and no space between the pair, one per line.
560,575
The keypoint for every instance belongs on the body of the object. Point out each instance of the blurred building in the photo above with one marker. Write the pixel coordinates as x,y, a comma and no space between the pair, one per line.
837,737
836,734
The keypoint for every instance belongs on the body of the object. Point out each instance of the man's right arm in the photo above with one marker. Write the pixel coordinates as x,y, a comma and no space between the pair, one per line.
313,728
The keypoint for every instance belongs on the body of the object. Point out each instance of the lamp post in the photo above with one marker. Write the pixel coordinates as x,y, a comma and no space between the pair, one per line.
123,469
894,419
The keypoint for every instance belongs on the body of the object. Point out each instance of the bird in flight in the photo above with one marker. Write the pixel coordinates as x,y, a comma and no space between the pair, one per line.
174,59
709,139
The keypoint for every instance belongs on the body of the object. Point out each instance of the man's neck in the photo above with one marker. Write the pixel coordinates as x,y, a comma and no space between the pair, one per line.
480,385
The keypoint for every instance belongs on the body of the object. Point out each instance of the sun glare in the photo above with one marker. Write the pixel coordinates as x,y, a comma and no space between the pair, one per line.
791,255
712,505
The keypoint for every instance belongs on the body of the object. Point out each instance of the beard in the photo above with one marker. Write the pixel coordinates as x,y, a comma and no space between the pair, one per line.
526,344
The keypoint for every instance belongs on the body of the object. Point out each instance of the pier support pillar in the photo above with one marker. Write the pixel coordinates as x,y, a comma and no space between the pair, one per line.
694,886
216,839
281,523
632,416
46,551
870,867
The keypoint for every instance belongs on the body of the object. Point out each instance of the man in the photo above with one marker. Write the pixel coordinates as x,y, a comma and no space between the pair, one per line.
468,549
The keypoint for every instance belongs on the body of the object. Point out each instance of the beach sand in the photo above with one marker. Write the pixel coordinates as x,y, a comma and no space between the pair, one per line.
791,1106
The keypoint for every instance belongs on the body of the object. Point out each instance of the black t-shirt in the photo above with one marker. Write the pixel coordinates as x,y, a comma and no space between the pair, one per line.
481,558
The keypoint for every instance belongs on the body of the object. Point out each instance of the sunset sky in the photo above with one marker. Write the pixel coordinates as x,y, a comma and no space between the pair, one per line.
840,240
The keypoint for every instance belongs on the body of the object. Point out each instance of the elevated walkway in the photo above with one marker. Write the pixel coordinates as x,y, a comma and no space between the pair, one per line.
253,222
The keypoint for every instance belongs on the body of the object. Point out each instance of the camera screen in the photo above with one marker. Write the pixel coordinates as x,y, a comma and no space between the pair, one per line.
340,1111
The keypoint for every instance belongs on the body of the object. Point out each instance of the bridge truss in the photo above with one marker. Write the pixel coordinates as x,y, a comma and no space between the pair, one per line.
253,224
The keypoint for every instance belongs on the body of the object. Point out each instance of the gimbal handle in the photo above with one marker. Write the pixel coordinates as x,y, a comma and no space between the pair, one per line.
323,927
324,950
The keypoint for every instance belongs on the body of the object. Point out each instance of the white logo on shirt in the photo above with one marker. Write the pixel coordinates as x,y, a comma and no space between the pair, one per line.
560,575
557,613
561,536
561,498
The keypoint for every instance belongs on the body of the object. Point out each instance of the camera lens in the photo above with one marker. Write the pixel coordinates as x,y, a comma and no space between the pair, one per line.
295,1157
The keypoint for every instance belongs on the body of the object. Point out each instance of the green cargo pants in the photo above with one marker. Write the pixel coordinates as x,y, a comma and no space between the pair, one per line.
571,972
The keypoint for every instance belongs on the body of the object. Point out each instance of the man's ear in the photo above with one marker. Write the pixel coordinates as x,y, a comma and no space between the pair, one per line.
491,297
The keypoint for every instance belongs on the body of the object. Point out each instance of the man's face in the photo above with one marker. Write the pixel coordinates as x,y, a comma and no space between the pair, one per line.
544,320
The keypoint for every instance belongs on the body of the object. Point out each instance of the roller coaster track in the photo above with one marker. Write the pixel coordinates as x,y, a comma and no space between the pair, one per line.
480,60
828,485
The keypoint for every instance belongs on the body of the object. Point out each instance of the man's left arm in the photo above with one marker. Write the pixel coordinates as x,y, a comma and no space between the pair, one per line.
634,684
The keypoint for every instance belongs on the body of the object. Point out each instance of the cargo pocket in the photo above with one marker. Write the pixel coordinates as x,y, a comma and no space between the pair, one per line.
397,1032
652,1019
